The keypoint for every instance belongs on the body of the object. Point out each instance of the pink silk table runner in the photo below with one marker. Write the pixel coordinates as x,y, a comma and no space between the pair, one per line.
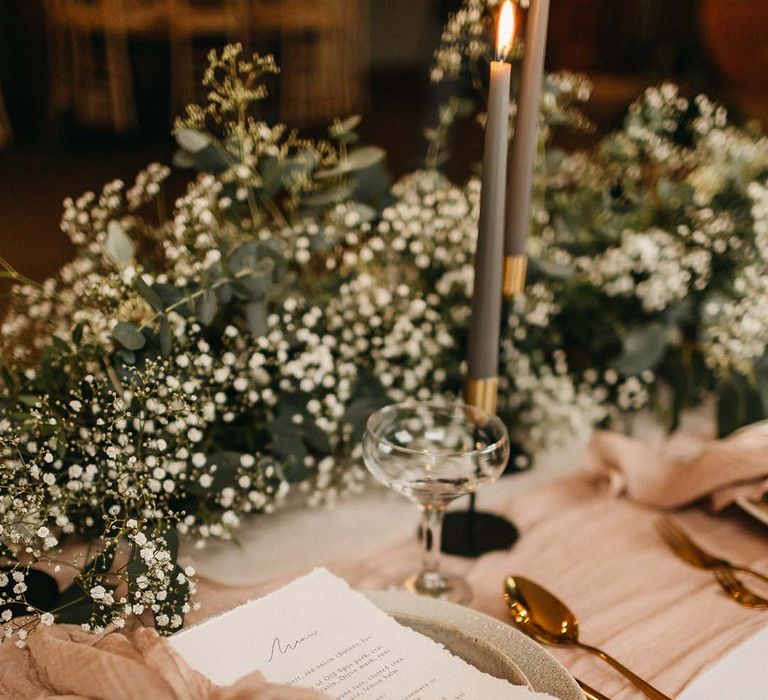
664,619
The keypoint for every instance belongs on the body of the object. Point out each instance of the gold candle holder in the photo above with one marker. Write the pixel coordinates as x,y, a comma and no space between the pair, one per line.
515,270
482,393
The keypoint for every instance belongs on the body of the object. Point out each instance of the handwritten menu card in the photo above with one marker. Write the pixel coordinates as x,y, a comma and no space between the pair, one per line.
317,632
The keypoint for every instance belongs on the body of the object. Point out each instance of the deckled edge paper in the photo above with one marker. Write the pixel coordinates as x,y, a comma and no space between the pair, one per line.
318,632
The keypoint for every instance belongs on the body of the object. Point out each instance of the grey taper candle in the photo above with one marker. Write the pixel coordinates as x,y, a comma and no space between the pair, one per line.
485,323
524,141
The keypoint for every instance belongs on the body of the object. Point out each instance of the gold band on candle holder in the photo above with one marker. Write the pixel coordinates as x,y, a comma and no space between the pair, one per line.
515,270
482,393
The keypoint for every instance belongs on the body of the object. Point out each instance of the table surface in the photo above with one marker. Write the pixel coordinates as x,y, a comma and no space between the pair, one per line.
600,554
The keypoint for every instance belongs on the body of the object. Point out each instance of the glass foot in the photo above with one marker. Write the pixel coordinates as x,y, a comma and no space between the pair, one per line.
451,588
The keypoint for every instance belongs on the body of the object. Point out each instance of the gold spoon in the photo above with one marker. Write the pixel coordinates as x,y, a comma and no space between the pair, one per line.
549,621
590,693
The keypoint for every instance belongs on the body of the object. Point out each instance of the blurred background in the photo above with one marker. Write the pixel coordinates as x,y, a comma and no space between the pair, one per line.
88,88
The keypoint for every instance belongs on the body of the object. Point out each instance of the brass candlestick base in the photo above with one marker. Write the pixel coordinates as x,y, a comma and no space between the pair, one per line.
515,270
482,393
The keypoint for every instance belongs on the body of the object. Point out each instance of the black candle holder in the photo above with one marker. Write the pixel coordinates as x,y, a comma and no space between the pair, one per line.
471,533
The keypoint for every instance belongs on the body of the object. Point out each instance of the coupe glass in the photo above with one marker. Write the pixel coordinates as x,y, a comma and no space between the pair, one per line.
433,454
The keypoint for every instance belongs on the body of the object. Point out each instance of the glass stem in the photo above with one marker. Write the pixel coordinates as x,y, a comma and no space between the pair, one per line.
430,579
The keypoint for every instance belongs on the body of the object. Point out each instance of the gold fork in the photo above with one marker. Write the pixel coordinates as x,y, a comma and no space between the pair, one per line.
738,591
680,543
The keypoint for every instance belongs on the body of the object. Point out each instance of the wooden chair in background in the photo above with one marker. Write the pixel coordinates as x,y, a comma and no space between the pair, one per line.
192,22
60,87
321,54
98,33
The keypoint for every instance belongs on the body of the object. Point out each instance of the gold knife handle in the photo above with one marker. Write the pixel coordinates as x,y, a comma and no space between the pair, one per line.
590,693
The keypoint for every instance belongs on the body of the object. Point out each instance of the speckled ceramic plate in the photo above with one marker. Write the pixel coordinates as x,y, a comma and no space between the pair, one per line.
482,641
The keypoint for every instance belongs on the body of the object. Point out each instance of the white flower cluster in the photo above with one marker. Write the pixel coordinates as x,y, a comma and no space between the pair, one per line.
652,265
736,326
147,185
554,408
736,330
401,336
433,225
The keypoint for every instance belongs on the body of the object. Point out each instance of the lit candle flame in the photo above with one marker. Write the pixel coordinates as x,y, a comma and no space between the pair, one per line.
506,30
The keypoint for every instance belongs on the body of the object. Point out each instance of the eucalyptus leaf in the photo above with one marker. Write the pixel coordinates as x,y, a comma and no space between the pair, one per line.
373,186
369,397
193,141
364,157
680,312
224,292
129,336
299,165
252,287
60,346
316,438
244,257
256,317
77,333
359,159
270,170
348,139
125,357
328,197
167,293
166,337
644,347
346,125
206,307
183,159
556,271
292,452
214,158
553,159
149,294
118,246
